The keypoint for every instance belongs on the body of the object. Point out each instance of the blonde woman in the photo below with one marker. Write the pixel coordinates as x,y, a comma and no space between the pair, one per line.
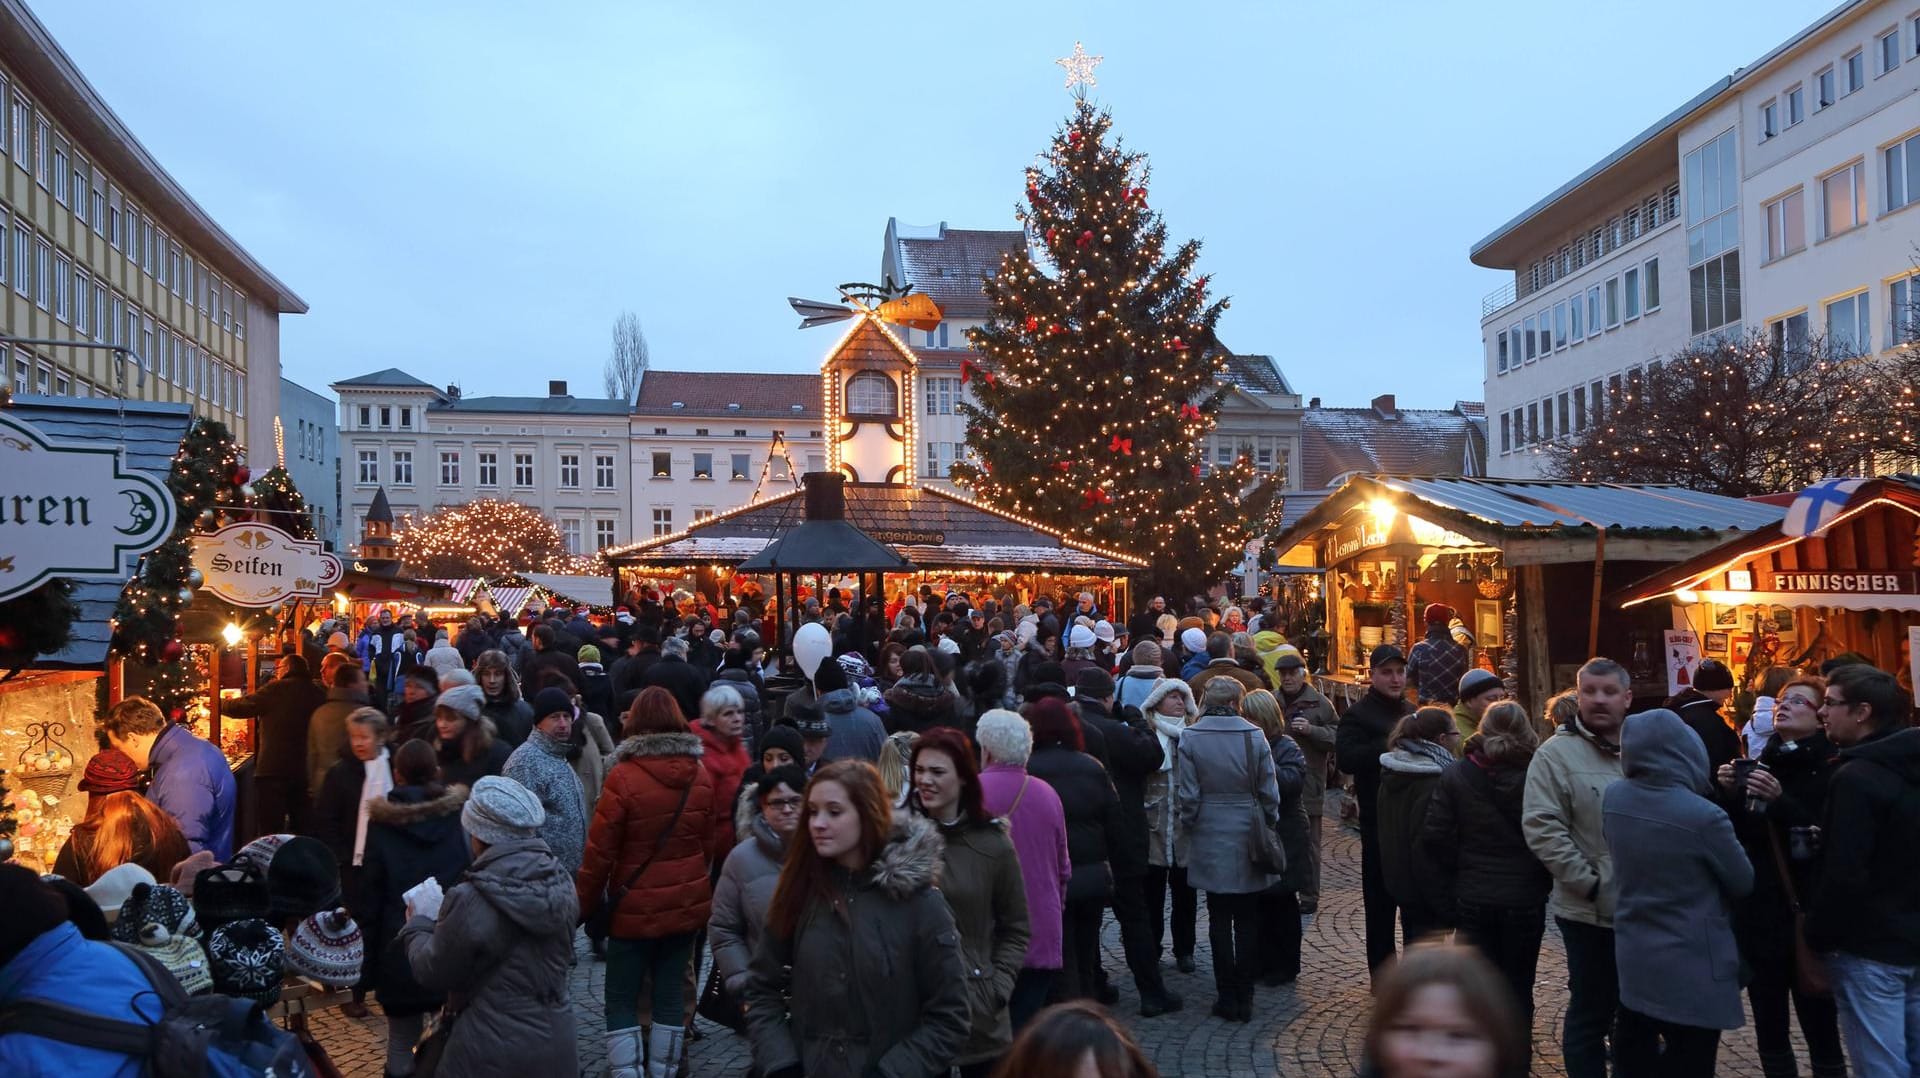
894,755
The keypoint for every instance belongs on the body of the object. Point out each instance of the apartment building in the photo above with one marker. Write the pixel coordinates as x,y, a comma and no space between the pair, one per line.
310,446
99,244
1776,200
703,442
429,447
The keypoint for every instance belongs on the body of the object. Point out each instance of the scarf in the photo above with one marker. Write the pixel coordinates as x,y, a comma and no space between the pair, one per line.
1439,754
1168,730
375,786
1596,740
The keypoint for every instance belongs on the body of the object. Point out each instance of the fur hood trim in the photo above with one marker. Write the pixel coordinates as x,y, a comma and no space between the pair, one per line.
638,745
403,813
910,862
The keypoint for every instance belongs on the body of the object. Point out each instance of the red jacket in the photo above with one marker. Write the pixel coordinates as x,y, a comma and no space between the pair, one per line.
673,896
726,760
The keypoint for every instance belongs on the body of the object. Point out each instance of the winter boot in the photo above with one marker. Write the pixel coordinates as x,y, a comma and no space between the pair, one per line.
623,1053
1830,1070
1155,1000
665,1045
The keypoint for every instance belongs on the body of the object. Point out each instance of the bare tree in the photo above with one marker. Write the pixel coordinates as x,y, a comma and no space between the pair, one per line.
627,361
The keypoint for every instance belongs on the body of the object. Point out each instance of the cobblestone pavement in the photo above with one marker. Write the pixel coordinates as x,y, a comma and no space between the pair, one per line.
1311,1029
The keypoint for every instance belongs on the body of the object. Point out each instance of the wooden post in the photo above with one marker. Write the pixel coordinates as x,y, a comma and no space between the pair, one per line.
213,697
1536,667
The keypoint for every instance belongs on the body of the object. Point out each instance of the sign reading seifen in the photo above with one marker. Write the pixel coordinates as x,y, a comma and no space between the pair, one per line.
71,510
259,565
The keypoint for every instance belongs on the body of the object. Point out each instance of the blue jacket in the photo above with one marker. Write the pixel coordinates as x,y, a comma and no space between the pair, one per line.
193,783
60,966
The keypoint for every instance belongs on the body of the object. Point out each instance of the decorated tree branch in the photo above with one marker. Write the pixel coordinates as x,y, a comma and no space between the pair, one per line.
1100,377
487,537
277,501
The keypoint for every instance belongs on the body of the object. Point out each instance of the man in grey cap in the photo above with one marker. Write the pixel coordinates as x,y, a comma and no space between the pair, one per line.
1479,690
1358,745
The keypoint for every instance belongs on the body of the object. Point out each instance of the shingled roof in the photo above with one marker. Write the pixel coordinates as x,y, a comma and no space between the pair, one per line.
390,378
550,405
950,265
710,393
1256,374
1401,441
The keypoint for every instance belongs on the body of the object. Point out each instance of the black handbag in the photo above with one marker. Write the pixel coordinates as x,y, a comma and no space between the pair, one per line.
1264,848
717,1005
600,925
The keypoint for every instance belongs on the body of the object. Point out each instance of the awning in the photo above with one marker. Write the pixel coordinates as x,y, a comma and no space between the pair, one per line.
578,590
461,591
508,602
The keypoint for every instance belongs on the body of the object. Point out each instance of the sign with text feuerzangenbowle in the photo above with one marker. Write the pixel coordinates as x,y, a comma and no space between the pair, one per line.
71,510
260,565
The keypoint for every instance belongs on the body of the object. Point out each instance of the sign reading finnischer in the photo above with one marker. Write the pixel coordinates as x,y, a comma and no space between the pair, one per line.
71,510
1846,581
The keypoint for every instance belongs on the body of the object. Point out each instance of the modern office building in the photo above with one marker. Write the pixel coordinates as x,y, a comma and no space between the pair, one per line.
310,445
431,447
101,245
1778,200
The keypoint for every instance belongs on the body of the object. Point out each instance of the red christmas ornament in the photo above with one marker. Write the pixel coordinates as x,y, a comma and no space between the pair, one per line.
240,474
172,650
1178,345
1063,466
1196,471
966,371
1093,496
1052,234
1189,412
1085,238
1202,282
1073,137
1053,327
1120,445
178,714
1031,324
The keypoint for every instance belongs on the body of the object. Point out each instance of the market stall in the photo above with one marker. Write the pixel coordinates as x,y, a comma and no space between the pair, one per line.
1524,564
1841,573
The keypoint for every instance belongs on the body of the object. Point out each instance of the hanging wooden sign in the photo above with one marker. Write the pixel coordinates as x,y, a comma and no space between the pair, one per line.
72,510
258,565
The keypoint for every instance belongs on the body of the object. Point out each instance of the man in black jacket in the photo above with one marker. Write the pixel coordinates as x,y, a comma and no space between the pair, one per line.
282,708
1361,739
548,657
1699,706
1132,754
678,676
643,650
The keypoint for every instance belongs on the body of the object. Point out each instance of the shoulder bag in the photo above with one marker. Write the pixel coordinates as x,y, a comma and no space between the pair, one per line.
1810,974
1264,847
600,925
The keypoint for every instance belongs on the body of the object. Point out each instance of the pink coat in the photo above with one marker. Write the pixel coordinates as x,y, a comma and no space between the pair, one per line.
1038,824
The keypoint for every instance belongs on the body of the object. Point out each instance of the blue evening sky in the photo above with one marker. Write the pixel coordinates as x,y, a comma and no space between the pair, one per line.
473,191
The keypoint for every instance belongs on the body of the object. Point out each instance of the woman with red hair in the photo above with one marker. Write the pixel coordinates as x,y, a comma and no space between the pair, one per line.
982,885
1093,828
859,971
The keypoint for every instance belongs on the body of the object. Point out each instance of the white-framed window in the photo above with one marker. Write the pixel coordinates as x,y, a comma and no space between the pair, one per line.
1710,180
1532,346
1825,86
872,393
406,417
82,302
369,470
1612,291
1650,280
22,133
22,259
1546,419
60,170
662,464
42,274
1630,292
99,311
702,514
1769,120
941,394
366,417
43,379
1560,324
386,417
1506,433
1500,352
449,467
1889,44
1843,200
1576,322
603,534
42,139
1579,407
1786,225
488,463
1903,300
523,469
1593,311
570,534
62,286
403,467
741,463
1788,333
703,465
1796,97
663,521
603,471
1855,65
570,472
939,460
1850,325
1903,172
98,213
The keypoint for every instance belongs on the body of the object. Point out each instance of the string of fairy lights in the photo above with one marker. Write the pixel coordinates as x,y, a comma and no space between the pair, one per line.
486,537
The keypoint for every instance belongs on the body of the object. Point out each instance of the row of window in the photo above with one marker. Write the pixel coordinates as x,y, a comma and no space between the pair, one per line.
32,374
53,283
385,412
1607,305
310,441
1848,321
487,462
603,534
44,152
1843,199
1270,453
1629,225
1835,81
1570,411
663,519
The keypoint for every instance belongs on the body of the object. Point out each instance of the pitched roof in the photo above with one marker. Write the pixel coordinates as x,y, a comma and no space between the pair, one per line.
149,434
391,377
552,405
1256,374
1408,441
710,393
950,265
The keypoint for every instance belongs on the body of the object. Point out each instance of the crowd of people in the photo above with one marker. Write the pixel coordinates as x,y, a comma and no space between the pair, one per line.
900,862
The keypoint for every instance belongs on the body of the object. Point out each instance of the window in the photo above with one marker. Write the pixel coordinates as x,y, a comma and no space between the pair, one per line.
941,393
386,417
406,417
369,467
62,286
489,464
1769,120
22,255
603,534
662,465
1506,433
1889,43
523,470
99,311
940,459
663,522
449,467
1843,200
1574,321
82,302
1786,225
1579,407
1612,288
570,535
366,417
1824,85
1710,178
42,136
98,213
740,466
1789,335
1856,65
1519,427
1533,350
1500,350
1849,328
872,393
703,465
1560,324
1903,299
1546,420
603,471
60,171
1630,291
42,274
1533,422
1796,105
570,471
1593,311
403,467
1650,274
1903,173
22,133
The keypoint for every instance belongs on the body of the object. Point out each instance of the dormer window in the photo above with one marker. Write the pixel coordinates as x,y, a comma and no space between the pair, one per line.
871,393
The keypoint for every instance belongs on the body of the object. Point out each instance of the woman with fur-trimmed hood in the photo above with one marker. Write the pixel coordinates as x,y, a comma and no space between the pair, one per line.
859,971
657,809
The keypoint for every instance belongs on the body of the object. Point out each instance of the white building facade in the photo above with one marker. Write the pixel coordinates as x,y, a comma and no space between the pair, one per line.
703,442
1779,200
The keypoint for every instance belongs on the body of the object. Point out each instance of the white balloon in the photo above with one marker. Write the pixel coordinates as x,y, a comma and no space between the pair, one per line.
811,646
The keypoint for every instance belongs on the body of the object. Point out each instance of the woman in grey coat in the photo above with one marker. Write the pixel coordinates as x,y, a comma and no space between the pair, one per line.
1215,791
768,816
1679,869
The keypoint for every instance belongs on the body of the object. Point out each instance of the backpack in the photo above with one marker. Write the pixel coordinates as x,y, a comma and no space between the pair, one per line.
206,1036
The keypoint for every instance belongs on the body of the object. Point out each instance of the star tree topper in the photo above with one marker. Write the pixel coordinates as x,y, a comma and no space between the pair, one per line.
1080,67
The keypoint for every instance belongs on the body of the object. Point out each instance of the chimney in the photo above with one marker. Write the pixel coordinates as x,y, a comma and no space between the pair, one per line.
1384,405
556,389
826,495
1313,402
453,392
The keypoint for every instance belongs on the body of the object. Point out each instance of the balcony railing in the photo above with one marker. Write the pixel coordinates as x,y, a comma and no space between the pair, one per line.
1503,296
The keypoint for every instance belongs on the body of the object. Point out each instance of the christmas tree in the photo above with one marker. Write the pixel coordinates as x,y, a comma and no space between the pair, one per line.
487,537
208,479
278,502
1102,377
